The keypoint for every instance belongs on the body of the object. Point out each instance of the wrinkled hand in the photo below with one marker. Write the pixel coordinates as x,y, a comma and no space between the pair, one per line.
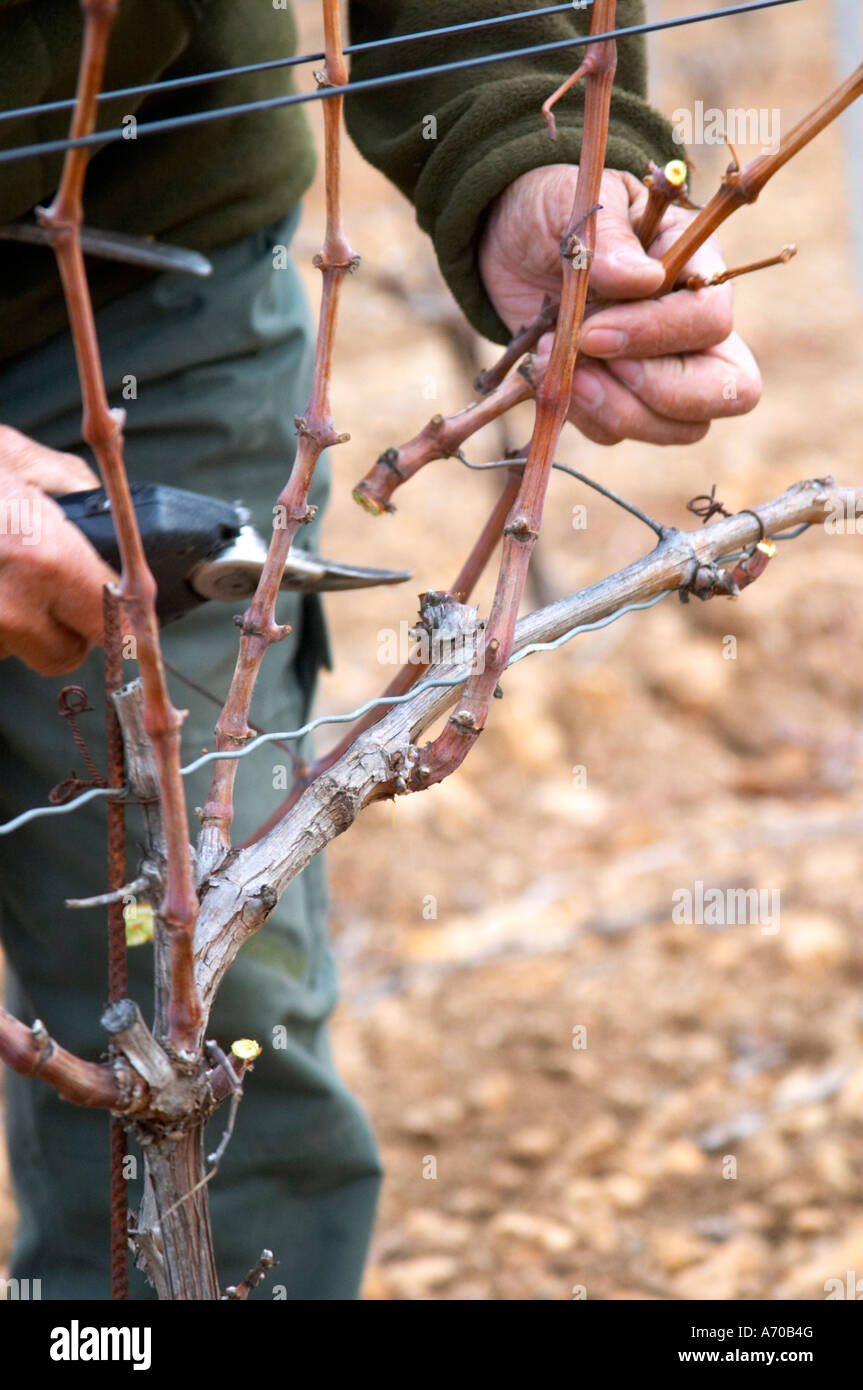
51,578
662,369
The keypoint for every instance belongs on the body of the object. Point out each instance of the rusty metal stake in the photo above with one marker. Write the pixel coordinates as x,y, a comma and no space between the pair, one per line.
117,965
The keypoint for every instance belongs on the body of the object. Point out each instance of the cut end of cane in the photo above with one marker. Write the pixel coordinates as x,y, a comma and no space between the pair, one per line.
367,503
246,1049
676,172
138,920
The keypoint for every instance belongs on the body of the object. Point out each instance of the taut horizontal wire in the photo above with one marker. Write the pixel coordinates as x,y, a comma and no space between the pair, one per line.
197,79
370,84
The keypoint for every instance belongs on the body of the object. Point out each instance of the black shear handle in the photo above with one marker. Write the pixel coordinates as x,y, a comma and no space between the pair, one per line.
178,528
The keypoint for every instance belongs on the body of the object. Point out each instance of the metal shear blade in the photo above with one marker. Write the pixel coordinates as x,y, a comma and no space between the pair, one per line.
118,246
234,573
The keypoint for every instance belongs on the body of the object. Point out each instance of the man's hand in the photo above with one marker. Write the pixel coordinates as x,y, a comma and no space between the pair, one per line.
51,578
662,369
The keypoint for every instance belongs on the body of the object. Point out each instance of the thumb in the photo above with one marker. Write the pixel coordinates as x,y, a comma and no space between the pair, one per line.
621,268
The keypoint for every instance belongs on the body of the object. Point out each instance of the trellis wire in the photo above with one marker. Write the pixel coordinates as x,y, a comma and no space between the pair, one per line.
378,702
614,497
199,78
369,84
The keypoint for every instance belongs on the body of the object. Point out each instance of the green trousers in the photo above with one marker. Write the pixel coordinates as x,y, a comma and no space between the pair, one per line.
211,374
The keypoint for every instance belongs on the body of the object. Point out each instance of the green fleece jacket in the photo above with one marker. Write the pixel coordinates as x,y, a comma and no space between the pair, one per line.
450,142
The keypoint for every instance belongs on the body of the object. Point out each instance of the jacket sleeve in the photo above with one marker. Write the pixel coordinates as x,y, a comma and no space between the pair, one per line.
39,47
452,142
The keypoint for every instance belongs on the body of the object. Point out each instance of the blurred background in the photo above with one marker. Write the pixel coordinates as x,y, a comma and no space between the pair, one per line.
706,1142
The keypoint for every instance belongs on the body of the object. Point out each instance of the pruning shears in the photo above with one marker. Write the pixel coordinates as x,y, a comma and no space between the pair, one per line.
118,246
201,548
198,548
